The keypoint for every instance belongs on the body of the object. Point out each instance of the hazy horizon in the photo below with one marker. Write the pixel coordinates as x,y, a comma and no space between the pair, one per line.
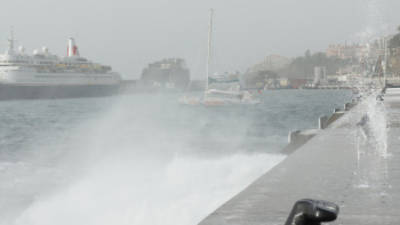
128,35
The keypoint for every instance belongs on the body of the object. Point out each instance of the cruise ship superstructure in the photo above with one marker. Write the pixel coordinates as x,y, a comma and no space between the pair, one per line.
45,75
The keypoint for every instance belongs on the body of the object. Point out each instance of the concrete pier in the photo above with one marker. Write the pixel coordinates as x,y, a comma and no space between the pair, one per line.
355,162
297,139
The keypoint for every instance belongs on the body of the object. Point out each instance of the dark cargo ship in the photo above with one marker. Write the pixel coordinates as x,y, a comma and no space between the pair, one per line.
169,73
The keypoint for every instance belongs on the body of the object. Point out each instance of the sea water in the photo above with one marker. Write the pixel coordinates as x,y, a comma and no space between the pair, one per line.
143,158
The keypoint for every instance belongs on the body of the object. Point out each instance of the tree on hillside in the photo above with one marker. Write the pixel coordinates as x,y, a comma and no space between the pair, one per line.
395,41
259,78
267,74
303,67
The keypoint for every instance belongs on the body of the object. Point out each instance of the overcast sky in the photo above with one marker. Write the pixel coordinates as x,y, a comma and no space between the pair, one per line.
129,34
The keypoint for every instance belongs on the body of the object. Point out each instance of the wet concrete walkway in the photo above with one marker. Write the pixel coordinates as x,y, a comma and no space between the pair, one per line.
354,163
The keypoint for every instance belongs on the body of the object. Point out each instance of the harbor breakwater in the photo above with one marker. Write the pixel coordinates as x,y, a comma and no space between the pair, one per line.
298,138
354,162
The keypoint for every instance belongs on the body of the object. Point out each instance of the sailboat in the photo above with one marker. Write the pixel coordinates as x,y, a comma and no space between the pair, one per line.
220,90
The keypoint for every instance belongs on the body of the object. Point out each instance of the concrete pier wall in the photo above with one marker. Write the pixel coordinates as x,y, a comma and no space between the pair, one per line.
298,138
350,164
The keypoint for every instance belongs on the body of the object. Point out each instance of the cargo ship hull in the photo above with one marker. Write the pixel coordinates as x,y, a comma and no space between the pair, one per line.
10,91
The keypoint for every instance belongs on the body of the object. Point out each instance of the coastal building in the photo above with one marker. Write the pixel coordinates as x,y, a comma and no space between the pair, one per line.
297,82
266,79
264,74
319,75
272,63
337,78
354,51
284,82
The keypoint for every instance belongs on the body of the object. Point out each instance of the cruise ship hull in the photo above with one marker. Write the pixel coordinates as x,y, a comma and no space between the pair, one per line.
10,91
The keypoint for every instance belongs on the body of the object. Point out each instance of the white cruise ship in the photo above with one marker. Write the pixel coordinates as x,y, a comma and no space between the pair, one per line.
45,75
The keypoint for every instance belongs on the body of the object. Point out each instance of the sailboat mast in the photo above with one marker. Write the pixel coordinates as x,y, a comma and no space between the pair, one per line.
385,64
210,26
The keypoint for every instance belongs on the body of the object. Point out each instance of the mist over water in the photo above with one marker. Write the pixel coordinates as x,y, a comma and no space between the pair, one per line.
141,159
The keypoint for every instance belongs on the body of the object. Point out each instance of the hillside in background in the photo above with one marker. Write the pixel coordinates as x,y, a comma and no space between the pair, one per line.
303,66
299,68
